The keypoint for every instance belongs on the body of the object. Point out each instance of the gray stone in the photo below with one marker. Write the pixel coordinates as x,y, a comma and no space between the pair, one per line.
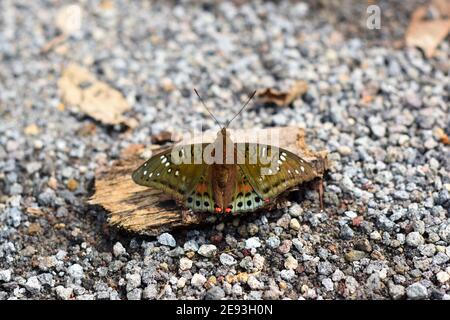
273,242
417,291
150,292
166,239
191,245
227,260
134,281
207,250
346,232
176,252
396,291
118,249
33,285
185,264
198,280
254,283
64,293
252,243
328,284
414,239
135,294
75,272
215,293
440,258
13,217
287,275
5,275
378,130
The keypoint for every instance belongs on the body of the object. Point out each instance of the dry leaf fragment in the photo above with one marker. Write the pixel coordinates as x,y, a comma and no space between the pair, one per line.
281,98
164,137
78,87
428,34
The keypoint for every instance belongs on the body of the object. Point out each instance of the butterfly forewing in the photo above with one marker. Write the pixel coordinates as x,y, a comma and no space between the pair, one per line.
275,170
173,177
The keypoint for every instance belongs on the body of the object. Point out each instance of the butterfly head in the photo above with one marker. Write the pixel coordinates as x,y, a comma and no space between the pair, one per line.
223,133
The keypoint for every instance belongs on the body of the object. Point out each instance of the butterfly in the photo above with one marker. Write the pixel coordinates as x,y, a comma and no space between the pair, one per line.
225,177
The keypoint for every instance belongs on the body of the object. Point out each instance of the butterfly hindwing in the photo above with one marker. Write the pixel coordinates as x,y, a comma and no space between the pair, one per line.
164,173
275,169
245,198
201,198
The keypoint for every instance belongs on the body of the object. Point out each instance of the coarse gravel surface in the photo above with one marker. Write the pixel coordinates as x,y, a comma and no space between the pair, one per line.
379,109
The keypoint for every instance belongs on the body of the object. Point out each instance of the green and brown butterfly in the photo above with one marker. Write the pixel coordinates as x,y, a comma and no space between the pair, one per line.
242,177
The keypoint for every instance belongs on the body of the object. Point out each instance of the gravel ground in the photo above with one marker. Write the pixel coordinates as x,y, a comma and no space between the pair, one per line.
378,110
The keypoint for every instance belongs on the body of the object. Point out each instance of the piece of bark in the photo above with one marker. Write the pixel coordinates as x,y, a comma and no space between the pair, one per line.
149,211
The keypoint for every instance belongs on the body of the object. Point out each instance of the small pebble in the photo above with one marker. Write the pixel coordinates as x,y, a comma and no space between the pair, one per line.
118,249
198,280
227,260
166,239
207,250
417,291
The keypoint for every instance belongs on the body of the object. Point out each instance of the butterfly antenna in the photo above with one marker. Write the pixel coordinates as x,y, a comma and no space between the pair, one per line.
210,113
243,107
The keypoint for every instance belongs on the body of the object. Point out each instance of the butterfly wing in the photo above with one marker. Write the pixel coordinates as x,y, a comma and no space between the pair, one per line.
246,198
272,170
201,197
170,172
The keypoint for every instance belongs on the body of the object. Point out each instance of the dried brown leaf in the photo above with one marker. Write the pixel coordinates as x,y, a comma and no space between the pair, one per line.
79,88
283,98
164,137
428,34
